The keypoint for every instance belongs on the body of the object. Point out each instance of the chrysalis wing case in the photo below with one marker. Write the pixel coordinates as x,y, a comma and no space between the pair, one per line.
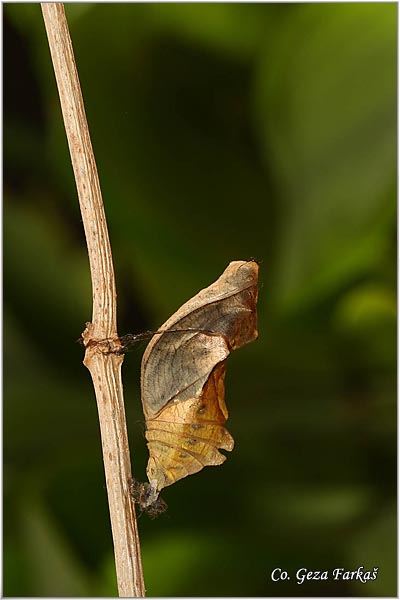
183,371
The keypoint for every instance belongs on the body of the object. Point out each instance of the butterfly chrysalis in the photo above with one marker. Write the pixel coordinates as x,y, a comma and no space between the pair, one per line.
182,379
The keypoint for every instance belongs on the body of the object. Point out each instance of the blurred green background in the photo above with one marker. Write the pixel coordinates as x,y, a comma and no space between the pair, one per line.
221,132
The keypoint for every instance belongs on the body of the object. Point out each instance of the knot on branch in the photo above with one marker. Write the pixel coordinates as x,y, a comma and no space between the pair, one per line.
111,345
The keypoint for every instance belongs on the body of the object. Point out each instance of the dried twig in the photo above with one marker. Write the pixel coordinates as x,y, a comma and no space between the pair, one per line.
104,367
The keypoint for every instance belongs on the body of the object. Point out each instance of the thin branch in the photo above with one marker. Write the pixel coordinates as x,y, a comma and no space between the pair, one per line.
104,367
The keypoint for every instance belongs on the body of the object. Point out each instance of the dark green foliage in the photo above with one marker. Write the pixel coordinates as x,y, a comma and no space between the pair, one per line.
221,132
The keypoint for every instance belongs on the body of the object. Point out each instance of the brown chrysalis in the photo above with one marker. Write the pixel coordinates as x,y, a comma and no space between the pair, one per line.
182,380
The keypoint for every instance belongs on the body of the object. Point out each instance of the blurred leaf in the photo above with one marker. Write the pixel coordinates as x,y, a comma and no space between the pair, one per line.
367,307
25,19
233,28
16,581
171,562
373,547
51,564
64,280
107,585
367,315
326,102
315,506
44,407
